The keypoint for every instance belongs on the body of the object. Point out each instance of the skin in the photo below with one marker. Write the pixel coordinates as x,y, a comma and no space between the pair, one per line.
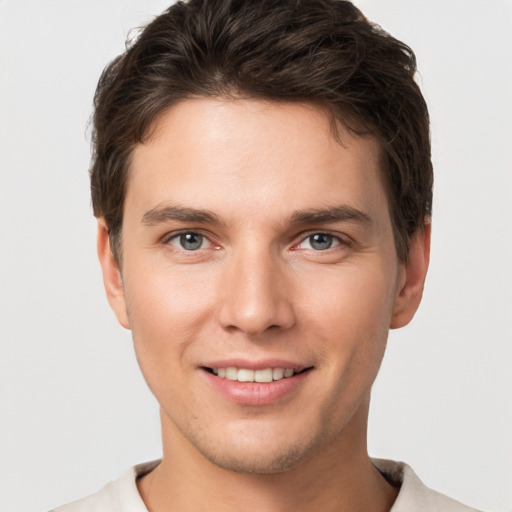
257,288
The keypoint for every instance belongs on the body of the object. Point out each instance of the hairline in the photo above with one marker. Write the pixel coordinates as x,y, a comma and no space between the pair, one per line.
355,127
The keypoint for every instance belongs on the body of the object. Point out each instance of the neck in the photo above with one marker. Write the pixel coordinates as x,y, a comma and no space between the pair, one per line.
339,477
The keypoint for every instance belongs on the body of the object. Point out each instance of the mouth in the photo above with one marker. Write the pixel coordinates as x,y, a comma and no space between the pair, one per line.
263,375
256,383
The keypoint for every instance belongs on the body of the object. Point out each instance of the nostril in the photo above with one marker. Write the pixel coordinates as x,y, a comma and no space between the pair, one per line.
254,308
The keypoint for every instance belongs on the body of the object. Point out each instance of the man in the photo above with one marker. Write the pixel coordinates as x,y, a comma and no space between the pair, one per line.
263,186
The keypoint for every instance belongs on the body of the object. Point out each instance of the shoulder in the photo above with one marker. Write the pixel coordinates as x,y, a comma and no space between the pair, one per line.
105,499
414,494
119,496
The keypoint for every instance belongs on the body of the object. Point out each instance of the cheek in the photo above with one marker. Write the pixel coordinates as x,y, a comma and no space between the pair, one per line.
350,315
351,299
166,310
164,296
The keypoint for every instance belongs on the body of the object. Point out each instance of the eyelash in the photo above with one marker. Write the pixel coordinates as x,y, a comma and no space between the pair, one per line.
176,236
335,238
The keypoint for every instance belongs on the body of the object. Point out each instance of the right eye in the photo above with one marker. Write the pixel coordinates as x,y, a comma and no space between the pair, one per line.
321,241
189,241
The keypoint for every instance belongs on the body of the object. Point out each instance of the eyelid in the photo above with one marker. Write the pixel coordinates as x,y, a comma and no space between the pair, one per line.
342,238
166,239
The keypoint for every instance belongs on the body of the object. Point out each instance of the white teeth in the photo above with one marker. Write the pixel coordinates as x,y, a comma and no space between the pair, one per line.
246,375
232,373
278,373
263,375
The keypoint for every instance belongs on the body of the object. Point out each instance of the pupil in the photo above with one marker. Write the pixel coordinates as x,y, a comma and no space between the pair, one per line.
321,241
191,241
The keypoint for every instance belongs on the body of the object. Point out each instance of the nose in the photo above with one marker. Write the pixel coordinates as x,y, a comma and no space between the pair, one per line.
256,294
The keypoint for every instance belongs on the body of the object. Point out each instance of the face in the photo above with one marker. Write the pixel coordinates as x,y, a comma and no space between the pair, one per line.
259,279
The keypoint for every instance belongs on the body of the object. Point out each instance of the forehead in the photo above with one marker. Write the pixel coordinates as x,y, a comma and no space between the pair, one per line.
253,154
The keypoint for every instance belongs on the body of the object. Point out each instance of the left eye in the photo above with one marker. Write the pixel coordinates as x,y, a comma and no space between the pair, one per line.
320,242
189,241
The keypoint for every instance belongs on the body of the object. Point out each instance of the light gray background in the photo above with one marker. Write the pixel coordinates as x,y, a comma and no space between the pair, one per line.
74,411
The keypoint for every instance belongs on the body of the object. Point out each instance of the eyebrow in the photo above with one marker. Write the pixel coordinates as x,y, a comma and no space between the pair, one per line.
332,214
159,215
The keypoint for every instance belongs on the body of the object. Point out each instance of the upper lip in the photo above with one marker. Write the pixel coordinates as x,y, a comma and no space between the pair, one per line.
260,364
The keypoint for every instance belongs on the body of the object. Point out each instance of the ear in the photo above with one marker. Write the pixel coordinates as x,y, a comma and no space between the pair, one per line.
412,278
112,278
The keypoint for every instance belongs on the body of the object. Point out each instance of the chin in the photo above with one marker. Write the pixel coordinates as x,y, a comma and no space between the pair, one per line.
280,461
257,456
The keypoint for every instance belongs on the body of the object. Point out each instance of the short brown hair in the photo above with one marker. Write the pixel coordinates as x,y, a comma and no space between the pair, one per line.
316,51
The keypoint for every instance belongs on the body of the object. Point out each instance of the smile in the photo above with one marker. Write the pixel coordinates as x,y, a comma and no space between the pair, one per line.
256,383
248,375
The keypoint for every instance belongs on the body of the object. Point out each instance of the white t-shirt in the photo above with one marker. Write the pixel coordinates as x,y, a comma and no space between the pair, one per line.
123,496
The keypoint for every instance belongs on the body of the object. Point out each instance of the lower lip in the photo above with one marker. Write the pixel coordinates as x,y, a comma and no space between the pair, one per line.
256,393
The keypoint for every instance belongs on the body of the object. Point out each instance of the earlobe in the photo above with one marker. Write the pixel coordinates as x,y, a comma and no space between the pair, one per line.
112,278
412,280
